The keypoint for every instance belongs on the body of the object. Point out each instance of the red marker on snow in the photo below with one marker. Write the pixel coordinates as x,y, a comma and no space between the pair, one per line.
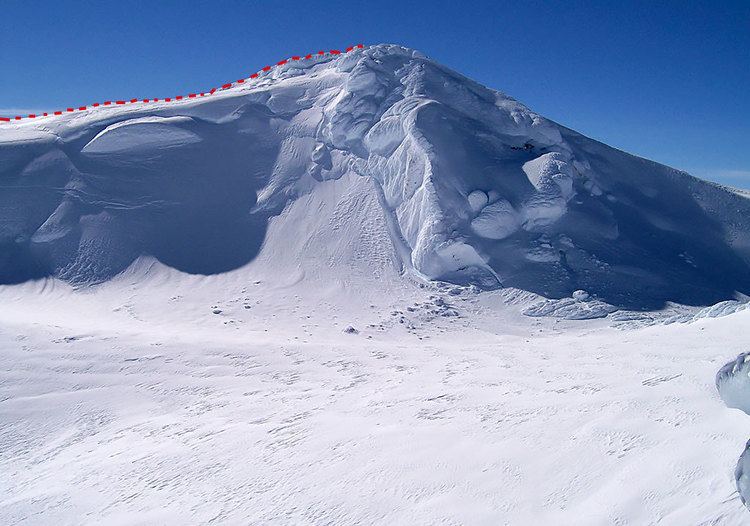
192,95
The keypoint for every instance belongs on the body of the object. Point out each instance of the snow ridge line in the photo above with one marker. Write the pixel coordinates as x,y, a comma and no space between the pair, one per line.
261,72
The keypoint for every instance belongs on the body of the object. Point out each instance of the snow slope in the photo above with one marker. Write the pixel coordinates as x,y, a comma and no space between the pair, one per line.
466,184
364,290
135,403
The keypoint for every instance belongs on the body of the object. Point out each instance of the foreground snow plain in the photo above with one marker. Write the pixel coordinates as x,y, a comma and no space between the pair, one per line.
155,399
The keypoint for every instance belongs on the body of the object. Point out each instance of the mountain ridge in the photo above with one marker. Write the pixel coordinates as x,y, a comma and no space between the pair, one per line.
462,183
177,98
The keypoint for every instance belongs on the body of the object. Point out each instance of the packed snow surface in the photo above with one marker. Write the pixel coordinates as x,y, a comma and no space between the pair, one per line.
161,398
364,290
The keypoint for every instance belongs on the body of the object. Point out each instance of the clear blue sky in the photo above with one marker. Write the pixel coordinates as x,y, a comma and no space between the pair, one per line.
666,80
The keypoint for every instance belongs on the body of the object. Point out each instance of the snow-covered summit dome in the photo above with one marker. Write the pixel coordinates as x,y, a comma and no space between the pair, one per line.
374,162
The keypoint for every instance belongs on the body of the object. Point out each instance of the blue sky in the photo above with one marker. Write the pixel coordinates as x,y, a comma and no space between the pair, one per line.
666,80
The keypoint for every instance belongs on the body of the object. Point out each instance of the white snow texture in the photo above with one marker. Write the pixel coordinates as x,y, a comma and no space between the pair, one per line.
466,184
364,289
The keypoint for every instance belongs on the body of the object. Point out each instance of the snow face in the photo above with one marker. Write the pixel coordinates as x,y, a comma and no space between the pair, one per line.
472,187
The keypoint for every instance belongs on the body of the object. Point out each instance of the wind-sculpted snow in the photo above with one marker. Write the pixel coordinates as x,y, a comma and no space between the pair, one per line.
85,208
579,307
742,475
470,186
135,137
733,384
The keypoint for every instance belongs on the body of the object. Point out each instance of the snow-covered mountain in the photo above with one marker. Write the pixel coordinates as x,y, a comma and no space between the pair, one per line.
363,289
379,160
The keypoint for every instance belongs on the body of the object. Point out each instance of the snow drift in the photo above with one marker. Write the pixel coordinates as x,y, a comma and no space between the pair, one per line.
733,384
377,161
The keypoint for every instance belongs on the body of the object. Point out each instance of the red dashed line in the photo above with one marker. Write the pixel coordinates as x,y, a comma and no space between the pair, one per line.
265,69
